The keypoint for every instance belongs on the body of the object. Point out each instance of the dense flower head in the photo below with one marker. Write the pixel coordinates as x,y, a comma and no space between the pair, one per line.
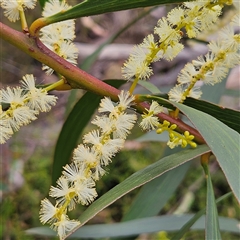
64,226
63,192
38,98
13,7
149,120
23,104
58,37
56,216
77,183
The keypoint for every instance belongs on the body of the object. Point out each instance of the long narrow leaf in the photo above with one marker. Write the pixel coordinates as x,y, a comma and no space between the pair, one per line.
94,7
149,86
212,222
228,116
138,226
154,194
223,141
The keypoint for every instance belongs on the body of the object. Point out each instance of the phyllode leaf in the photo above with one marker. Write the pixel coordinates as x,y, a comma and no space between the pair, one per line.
223,141
167,223
154,195
212,222
94,7
228,116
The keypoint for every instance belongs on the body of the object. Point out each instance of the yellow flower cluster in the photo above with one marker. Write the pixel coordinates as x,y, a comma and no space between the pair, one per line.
175,138
77,183
194,17
58,37
213,67
151,122
20,105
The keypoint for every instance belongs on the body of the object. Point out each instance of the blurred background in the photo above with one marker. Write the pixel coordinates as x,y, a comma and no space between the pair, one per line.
26,159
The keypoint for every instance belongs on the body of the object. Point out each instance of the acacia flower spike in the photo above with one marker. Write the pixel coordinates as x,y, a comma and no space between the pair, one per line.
194,17
77,183
142,103
211,69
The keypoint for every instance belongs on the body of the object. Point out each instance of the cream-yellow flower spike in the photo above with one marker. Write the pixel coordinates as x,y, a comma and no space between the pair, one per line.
77,183
194,17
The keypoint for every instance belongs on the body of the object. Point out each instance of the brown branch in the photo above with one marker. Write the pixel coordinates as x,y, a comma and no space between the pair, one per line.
76,77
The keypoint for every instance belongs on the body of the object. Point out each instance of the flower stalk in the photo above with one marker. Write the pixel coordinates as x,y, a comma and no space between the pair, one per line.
23,21
55,85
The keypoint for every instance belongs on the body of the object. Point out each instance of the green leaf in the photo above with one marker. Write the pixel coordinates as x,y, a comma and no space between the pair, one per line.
186,227
154,195
78,118
94,7
223,141
212,222
138,226
228,116
141,177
